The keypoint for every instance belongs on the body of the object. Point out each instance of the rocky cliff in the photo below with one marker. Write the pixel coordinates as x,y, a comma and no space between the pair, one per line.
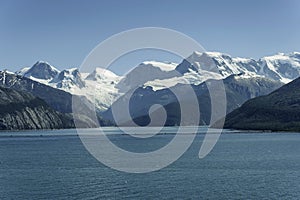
21,110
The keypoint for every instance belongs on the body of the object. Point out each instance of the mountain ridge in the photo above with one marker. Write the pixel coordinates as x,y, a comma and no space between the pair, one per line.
243,78
21,110
103,87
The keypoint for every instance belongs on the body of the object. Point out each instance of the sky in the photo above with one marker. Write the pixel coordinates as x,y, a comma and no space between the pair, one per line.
63,32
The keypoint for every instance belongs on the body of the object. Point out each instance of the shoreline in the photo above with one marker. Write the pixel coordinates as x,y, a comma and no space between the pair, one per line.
117,132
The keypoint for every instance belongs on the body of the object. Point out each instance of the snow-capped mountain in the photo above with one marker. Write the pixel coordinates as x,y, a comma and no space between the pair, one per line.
98,86
285,67
200,67
243,79
103,86
45,73
145,72
100,74
220,63
279,67
41,70
68,79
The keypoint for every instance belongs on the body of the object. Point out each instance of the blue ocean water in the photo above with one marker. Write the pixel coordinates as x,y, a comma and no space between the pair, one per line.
55,165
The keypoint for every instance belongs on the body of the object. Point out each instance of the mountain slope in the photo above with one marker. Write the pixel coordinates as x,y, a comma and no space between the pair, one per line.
58,100
68,78
20,110
145,72
279,110
238,89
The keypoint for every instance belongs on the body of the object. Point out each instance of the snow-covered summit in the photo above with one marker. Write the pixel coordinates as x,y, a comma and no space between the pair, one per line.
101,74
280,67
164,66
283,67
68,79
146,71
98,86
216,62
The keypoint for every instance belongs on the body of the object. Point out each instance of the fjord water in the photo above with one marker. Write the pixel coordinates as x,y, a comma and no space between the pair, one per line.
55,165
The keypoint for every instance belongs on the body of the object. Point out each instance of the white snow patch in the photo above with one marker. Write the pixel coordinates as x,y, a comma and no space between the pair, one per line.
164,66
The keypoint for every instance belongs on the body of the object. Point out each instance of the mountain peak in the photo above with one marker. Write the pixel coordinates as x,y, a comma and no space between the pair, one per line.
42,70
196,56
202,61
163,66
101,74
69,78
217,54
42,62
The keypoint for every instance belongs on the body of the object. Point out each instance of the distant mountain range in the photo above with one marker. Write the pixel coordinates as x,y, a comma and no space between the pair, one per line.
105,87
150,83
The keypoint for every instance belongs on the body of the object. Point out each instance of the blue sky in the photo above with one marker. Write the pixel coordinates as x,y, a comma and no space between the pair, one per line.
63,32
